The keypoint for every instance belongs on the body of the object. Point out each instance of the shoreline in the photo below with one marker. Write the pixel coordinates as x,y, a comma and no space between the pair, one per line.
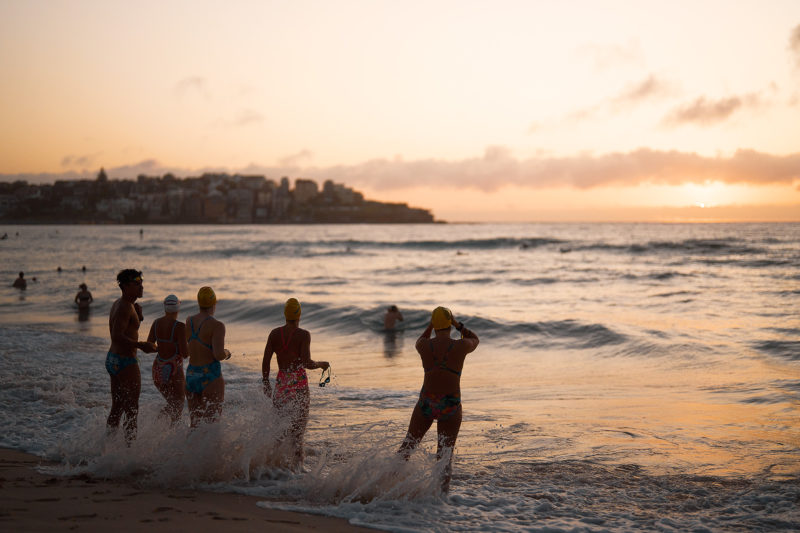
33,501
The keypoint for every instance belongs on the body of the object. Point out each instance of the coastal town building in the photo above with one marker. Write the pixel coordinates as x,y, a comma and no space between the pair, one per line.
210,198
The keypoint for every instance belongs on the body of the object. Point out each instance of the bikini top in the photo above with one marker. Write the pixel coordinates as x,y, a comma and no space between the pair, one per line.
443,363
195,336
170,340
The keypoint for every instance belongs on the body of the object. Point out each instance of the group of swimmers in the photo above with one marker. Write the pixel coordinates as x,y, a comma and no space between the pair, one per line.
21,283
202,339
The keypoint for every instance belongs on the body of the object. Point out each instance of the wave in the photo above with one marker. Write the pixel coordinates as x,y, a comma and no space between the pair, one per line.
349,320
781,348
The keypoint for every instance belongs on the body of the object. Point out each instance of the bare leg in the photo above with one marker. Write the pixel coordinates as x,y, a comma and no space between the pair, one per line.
417,427
298,429
174,392
447,431
128,387
213,396
195,402
116,404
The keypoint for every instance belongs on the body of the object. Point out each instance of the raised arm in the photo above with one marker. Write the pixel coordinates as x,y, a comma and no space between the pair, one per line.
468,337
425,335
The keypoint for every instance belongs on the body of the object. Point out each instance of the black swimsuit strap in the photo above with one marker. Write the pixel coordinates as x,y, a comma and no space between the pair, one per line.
443,363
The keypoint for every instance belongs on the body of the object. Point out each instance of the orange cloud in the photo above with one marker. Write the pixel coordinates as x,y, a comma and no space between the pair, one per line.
706,112
634,94
191,84
497,168
794,44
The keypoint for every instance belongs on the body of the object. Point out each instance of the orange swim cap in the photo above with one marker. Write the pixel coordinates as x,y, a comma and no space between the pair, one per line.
441,318
292,309
206,297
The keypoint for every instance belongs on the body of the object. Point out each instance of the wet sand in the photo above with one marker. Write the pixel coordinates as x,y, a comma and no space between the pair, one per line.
33,501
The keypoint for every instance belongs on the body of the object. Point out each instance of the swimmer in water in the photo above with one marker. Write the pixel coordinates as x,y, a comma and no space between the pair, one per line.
440,397
20,282
169,334
205,388
84,297
291,397
391,317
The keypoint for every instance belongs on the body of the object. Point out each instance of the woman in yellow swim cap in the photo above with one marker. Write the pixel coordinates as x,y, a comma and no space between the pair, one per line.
440,397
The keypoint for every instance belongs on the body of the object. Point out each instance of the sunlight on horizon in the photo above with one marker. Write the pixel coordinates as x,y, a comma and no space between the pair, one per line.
612,108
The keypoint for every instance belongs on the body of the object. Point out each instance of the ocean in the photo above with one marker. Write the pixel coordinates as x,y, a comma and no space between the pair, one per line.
629,376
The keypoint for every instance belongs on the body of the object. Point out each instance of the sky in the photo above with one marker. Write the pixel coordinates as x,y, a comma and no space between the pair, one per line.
478,110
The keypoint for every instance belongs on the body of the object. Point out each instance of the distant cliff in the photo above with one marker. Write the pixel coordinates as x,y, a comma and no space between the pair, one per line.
208,199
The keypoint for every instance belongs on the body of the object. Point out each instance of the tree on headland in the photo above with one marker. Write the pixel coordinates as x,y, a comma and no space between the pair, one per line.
101,176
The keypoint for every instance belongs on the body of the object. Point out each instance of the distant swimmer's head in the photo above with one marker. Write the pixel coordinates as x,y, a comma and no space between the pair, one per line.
206,298
82,286
292,309
172,304
393,309
129,275
22,274
441,318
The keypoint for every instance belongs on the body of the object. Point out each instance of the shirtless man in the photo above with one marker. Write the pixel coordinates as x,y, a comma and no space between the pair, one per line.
291,398
205,388
392,315
121,362
20,282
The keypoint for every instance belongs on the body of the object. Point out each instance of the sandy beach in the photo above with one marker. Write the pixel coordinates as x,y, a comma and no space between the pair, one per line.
32,501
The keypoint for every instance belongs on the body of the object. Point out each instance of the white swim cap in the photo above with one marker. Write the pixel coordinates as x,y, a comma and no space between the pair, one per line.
172,304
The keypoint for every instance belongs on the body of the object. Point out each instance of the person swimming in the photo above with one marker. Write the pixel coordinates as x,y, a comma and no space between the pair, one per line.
391,317
84,297
205,387
291,397
169,334
20,282
440,396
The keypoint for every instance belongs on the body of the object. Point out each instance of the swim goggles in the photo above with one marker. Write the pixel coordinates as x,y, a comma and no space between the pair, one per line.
323,382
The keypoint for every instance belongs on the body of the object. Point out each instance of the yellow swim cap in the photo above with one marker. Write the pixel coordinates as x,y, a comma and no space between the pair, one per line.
441,318
292,309
206,297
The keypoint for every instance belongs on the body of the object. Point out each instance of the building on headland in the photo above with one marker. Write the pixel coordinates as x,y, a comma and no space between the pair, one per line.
212,198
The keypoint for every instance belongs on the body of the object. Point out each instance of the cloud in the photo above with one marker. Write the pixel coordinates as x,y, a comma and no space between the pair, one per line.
794,45
245,117
606,56
248,116
704,112
82,161
303,157
191,84
498,167
647,89
632,95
